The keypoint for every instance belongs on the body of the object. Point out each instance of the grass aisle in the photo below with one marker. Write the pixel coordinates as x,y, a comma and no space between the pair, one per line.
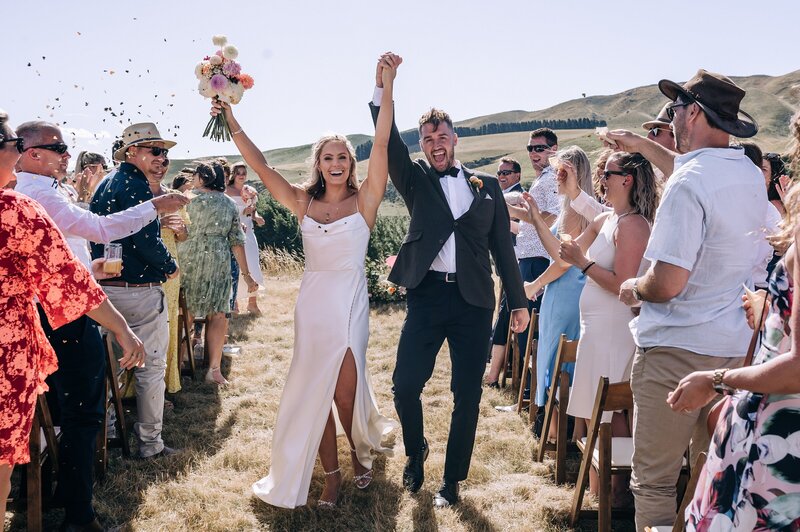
226,436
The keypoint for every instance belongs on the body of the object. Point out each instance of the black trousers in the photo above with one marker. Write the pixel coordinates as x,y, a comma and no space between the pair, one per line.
79,385
436,311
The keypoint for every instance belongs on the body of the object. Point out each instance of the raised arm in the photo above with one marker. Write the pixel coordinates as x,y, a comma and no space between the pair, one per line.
374,186
290,196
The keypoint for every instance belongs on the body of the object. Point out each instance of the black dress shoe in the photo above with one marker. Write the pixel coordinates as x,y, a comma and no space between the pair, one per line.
447,494
414,472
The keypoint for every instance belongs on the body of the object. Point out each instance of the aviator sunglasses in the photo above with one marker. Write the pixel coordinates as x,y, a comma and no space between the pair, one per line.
155,150
505,172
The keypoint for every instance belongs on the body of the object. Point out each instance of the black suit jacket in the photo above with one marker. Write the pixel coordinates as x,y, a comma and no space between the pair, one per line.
483,229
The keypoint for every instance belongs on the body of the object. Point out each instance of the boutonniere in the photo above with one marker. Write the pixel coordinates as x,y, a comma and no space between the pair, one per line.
476,183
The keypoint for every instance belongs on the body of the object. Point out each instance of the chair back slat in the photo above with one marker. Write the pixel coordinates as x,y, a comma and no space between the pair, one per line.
619,397
568,349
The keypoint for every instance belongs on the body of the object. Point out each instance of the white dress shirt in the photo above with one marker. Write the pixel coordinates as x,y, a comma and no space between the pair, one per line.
80,225
459,198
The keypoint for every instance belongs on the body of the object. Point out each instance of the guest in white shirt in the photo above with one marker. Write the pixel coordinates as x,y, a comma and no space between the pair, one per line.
702,248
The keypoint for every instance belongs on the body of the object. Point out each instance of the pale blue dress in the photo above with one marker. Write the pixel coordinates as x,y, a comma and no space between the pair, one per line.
559,314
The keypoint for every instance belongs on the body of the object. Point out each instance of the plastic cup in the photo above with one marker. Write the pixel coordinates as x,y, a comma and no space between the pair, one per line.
113,256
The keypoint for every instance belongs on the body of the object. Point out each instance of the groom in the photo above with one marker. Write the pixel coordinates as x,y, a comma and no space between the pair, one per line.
457,218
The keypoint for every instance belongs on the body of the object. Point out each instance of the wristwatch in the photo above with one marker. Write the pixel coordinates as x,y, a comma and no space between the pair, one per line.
719,386
636,294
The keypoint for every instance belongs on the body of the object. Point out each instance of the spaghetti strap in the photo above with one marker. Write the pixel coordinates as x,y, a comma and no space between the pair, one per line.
308,207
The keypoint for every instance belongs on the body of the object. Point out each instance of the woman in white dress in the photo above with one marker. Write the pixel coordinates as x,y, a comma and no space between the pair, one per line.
328,384
245,199
609,251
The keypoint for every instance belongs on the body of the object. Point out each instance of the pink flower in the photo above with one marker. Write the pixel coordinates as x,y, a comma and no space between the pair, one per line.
231,68
219,82
218,52
246,80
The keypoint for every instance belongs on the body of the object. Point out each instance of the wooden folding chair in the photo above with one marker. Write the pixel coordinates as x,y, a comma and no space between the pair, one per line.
38,476
510,360
185,336
558,398
680,522
529,367
113,393
609,456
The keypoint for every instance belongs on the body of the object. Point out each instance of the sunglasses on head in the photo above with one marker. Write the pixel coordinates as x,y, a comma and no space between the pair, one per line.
608,173
506,172
155,150
671,108
58,147
538,148
18,141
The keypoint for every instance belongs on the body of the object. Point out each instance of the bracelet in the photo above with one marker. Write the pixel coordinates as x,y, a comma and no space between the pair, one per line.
583,271
237,132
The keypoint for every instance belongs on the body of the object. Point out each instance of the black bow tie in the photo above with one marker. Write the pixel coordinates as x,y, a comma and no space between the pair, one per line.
452,172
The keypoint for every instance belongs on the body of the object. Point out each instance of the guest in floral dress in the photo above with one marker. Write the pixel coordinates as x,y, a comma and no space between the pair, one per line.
36,263
215,232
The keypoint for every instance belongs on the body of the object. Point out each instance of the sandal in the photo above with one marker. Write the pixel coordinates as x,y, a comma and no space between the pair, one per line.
364,480
329,505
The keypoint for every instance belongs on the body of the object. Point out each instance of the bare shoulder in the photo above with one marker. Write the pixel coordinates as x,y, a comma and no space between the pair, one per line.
633,225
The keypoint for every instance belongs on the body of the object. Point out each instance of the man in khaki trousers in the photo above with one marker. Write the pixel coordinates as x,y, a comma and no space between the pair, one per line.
703,248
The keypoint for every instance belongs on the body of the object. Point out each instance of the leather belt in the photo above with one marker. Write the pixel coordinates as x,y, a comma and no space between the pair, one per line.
129,285
446,277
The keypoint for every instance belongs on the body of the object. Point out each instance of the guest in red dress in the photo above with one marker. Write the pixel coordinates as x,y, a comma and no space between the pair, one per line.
35,262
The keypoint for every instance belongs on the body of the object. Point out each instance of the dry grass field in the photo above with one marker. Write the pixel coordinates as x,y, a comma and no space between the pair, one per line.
226,438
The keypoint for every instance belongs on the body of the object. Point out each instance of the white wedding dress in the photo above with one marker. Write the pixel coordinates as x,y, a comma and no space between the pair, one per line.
251,250
331,315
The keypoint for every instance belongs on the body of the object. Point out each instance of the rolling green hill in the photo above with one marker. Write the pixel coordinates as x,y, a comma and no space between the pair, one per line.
770,99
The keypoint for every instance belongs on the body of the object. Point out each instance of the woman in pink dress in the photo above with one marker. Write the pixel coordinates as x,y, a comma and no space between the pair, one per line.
36,264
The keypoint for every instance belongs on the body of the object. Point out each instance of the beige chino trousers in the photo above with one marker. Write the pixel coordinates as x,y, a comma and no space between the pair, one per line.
660,435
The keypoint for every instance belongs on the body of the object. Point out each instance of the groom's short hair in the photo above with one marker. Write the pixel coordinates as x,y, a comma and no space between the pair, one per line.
435,117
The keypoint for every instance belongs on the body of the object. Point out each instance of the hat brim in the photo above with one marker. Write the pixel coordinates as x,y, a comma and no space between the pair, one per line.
119,155
655,123
745,126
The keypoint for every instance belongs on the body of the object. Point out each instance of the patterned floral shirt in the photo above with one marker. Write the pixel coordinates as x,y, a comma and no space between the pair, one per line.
545,191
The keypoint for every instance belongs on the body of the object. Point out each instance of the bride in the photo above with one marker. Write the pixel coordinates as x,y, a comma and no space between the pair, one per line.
328,384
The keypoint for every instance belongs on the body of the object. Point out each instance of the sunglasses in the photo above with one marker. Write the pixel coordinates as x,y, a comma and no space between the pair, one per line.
656,130
19,141
155,150
671,108
506,172
538,148
58,147
608,173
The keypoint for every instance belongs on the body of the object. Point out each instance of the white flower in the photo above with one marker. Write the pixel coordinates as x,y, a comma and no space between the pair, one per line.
232,94
237,91
204,88
230,52
215,60
198,70
219,40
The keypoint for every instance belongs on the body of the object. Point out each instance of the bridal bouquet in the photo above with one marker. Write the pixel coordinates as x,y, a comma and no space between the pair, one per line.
221,78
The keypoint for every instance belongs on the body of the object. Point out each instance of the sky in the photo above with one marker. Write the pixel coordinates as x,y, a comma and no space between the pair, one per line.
80,63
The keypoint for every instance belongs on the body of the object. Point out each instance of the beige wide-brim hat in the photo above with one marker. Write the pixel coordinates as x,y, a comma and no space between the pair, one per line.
660,121
135,134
